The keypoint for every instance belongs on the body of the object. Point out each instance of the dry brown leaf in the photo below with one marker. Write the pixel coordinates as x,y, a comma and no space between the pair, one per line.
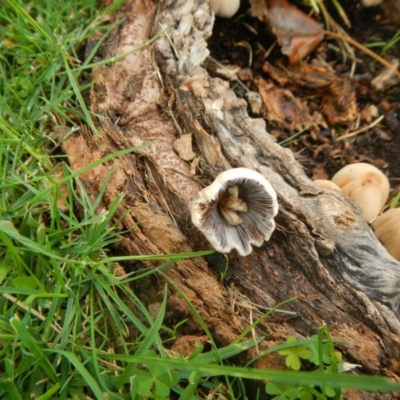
183,146
319,173
297,33
282,108
387,77
338,96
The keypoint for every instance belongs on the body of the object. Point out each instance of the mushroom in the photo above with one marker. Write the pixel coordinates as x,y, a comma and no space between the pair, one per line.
371,3
366,184
225,8
326,184
387,230
236,211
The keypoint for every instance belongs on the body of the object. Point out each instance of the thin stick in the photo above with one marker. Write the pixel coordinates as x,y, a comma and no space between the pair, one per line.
361,130
29,309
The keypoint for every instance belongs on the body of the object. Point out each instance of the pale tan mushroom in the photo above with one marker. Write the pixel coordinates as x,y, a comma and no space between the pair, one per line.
371,3
387,230
325,184
366,184
225,8
236,211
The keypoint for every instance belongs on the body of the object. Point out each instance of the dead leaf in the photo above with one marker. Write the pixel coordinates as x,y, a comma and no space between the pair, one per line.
282,108
183,146
387,77
319,173
340,106
369,113
338,96
297,33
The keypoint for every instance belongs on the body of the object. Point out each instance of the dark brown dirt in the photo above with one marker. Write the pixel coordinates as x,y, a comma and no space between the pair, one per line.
320,153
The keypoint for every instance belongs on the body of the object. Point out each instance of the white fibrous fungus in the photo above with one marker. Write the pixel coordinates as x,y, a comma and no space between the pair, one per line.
236,211
387,230
225,8
366,184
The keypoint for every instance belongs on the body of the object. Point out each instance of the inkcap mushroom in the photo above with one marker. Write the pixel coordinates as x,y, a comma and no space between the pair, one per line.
225,8
366,184
387,230
236,211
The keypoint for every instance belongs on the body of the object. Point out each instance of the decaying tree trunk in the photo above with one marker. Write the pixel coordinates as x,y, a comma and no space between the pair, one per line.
322,252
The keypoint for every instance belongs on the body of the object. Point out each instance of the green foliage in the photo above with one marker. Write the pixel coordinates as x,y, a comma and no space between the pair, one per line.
70,326
158,381
321,353
385,46
316,5
295,354
284,391
395,201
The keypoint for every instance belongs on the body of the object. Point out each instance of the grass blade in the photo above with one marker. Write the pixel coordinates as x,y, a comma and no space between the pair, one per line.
360,382
89,380
150,338
31,345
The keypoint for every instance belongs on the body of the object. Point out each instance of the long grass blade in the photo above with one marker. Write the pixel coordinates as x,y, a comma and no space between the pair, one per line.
31,345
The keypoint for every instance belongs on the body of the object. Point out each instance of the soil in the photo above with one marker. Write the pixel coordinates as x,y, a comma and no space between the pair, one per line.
319,151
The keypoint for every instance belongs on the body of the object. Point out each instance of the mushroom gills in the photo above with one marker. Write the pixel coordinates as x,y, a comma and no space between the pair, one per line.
236,211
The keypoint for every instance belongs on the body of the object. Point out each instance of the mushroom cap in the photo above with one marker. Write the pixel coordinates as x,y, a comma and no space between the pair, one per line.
371,3
387,230
225,8
236,211
326,184
366,184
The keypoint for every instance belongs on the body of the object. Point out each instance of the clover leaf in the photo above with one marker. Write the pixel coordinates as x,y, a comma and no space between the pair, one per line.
294,354
282,390
158,380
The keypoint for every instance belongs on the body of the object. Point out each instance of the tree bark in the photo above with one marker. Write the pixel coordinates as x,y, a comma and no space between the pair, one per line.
322,252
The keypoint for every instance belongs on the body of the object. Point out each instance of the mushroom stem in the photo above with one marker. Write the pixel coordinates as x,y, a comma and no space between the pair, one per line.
225,8
233,204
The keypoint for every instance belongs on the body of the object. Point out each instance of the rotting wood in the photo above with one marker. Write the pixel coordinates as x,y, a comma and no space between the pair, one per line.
322,252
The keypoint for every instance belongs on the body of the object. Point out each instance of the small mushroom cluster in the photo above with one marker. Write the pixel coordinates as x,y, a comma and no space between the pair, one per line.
236,211
370,188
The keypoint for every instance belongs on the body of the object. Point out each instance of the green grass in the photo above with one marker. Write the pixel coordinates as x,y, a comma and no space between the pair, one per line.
70,327
385,46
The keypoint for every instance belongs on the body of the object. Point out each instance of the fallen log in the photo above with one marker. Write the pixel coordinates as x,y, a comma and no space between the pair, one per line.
193,127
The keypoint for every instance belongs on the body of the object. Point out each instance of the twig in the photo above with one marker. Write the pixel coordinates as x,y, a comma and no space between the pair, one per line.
295,135
37,314
361,130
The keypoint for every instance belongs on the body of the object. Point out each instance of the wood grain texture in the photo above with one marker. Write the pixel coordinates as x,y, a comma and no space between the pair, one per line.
322,252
